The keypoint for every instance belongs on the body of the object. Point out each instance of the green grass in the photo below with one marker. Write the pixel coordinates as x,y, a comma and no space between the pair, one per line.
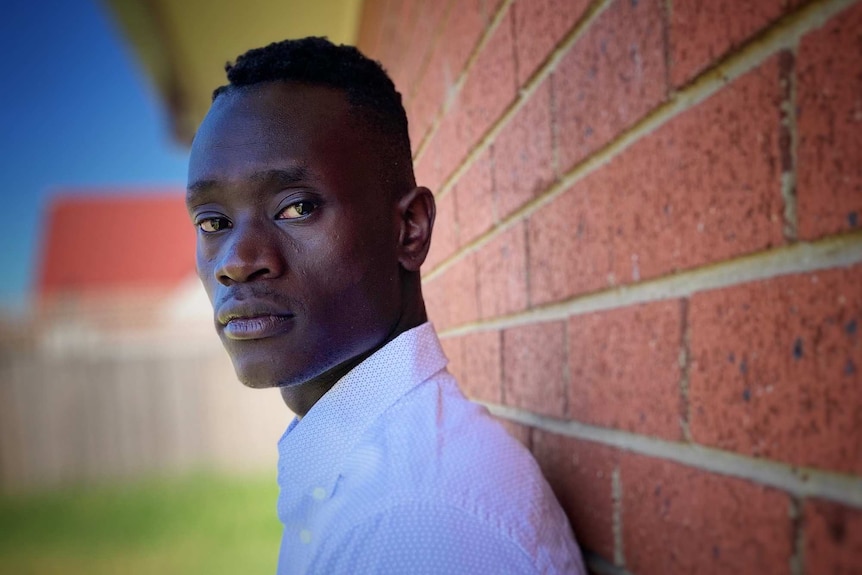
198,524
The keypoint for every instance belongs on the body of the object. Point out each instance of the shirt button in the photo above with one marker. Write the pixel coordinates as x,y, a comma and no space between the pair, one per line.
305,536
319,493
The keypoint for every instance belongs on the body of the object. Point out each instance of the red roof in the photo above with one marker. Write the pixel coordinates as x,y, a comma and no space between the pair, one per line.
118,242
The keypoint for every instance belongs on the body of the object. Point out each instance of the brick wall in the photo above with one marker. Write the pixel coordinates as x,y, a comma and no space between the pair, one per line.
648,260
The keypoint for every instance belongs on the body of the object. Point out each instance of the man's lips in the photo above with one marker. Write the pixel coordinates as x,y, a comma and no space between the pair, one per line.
258,326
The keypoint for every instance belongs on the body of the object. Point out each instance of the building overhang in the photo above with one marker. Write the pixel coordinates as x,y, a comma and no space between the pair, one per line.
183,46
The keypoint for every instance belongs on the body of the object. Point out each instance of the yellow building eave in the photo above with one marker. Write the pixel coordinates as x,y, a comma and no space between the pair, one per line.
183,45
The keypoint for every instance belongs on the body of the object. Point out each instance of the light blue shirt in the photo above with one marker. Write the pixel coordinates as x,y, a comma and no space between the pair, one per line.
393,471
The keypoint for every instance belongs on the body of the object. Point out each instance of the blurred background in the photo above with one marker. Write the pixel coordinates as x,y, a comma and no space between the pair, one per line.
126,444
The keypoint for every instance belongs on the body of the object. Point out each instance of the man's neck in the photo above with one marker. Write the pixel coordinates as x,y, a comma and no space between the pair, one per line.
302,397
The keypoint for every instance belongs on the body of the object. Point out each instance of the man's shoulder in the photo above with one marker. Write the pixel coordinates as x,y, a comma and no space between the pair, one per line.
436,446
437,455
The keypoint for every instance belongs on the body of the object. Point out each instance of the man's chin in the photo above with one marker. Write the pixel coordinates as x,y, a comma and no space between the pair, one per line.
265,375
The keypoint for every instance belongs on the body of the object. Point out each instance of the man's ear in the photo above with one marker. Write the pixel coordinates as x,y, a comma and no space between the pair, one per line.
417,211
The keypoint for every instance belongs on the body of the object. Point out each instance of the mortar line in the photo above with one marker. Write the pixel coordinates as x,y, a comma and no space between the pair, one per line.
797,559
799,482
836,251
436,34
787,141
617,519
523,95
598,564
685,369
453,92
783,35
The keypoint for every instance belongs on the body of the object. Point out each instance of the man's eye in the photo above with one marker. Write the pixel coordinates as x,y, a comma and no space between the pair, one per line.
210,225
297,210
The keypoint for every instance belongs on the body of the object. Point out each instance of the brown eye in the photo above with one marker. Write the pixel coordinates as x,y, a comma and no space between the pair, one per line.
297,210
211,225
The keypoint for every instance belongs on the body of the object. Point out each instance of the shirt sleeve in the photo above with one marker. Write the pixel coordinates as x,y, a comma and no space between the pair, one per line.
422,540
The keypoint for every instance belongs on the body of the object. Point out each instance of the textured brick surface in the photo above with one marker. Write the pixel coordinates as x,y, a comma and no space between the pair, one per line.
539,26
481,376
703,32
451,297
502,274
833,538
427,17
678,519
444,236
829,104
581,475
624,367
523,154
705,187
462,31
569,245
610,78
777,369
534,361
474,197
369,28
426,101
427,168
490,85
451,140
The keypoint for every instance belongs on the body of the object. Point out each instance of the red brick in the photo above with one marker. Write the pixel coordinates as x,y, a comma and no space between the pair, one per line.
539,26
451,297
521,433
452,139
523,154
833,538
701,33
502,274
490,86
444,236
569,243
534,361
624,367
482,374
369,28
610,78
475,200
830,127
776,368
453,347
705,187
389,46
581,475
462,31
429,16
426,102
427,169
677,519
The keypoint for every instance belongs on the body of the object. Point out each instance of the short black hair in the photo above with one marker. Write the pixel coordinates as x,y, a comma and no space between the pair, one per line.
315,60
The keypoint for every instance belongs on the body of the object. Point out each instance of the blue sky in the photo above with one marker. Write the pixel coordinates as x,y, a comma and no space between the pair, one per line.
76,110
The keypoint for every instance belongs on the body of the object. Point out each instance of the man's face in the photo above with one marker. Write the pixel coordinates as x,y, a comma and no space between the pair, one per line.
297,237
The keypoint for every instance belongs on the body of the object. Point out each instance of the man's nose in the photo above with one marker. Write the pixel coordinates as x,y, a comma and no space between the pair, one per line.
252,253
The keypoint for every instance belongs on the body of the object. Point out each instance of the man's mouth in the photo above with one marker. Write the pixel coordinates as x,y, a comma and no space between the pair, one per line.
257,327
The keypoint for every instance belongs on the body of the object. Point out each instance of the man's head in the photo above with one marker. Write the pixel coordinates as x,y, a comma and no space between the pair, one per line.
310,228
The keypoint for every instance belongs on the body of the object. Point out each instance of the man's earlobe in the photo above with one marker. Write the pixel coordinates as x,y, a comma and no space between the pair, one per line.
417,211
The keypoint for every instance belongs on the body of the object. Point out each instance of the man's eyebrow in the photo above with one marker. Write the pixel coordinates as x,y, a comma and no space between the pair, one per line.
278,176
283,176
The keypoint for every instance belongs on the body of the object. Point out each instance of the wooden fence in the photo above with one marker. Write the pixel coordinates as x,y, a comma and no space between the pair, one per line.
89,409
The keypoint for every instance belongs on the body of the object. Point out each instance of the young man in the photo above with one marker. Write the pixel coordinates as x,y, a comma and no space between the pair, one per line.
311,231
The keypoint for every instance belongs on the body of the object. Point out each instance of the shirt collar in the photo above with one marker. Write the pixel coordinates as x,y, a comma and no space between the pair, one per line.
335,423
